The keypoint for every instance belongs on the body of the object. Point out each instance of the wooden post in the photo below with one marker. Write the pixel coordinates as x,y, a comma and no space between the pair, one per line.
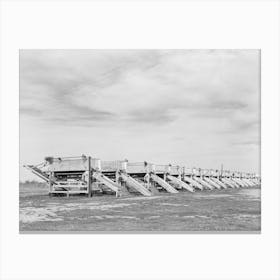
179,172
183,172
50,183
89,177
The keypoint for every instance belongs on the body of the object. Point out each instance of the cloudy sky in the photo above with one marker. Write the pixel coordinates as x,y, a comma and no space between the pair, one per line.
197,108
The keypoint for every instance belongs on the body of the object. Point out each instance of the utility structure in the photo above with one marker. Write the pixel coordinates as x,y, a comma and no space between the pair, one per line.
89,176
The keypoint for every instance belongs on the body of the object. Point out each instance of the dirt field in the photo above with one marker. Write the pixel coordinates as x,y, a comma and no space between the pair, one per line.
219,210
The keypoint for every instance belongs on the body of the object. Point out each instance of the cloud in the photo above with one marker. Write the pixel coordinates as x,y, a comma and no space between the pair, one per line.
247,124
247,143
30,111
227,105
155,116
133,86
59,82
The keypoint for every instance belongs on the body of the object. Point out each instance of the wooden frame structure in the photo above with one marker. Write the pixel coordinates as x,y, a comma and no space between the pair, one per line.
87,175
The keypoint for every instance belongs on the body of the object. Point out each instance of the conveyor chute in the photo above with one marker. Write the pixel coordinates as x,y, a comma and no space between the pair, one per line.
44,176
106,181
253,182
193,182
163,184
229,183
217,181
250,183
132,183
180,183
211,183
240,183
236,184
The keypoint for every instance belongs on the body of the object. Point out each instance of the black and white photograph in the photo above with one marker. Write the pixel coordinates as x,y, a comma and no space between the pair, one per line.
140,140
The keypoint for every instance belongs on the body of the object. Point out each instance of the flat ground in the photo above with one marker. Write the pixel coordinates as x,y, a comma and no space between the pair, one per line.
218,210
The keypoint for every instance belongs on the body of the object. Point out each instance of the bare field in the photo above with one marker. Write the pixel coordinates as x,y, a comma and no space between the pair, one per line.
218,210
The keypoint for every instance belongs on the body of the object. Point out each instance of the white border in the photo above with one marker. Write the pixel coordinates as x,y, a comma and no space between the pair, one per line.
157,24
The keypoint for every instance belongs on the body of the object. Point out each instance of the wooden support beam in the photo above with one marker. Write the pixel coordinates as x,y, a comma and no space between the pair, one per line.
89,177
183,172
50,183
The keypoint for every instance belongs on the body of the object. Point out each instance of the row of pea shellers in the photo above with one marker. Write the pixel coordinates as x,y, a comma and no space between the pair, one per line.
191,179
